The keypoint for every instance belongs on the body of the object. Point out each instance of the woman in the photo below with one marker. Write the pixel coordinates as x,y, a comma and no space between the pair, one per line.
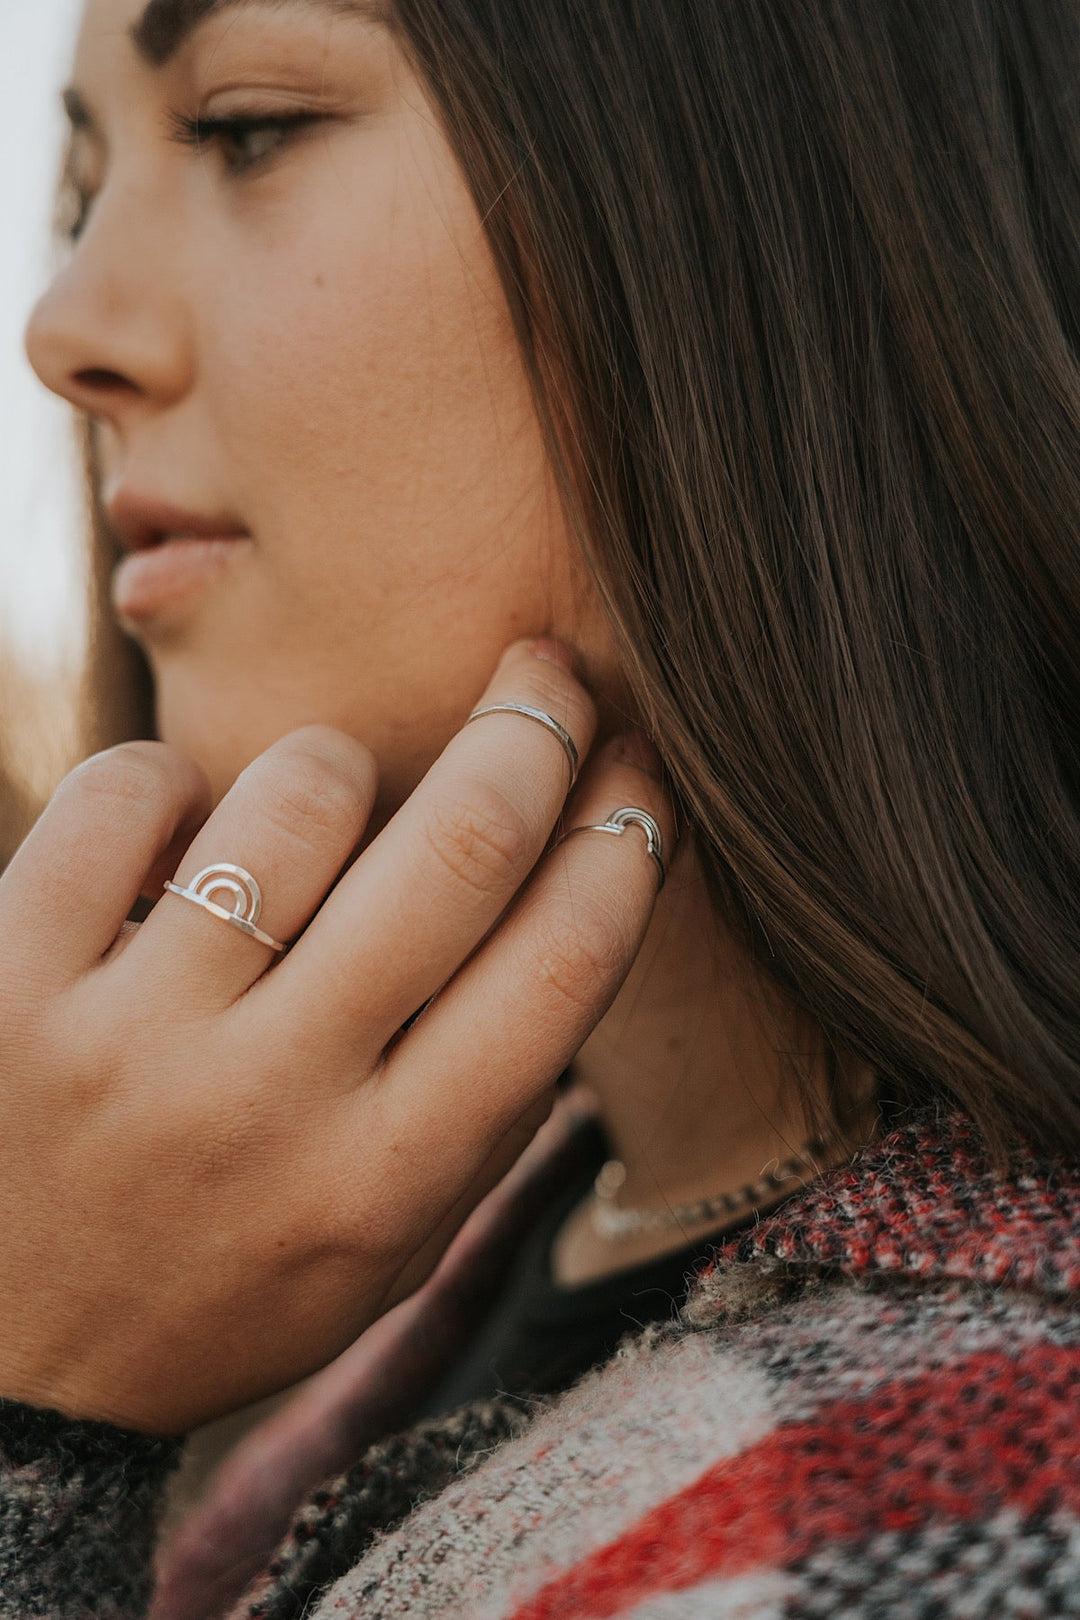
732,349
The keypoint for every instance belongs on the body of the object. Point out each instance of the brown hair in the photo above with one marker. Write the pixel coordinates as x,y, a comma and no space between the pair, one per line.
110,699
797,287
16,806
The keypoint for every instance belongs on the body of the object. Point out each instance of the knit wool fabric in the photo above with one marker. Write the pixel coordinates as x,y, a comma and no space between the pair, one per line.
867,1408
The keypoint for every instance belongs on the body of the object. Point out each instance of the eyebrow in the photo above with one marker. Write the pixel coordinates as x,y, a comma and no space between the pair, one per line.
166,24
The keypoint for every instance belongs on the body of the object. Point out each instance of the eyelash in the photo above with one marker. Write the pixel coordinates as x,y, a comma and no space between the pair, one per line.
199,133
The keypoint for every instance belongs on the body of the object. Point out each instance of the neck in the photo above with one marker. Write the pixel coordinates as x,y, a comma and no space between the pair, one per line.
701,1074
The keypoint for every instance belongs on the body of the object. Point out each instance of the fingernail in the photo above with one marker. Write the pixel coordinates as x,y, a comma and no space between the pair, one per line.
553,652
636,749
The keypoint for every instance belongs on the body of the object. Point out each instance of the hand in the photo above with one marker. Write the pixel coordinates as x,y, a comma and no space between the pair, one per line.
216,1161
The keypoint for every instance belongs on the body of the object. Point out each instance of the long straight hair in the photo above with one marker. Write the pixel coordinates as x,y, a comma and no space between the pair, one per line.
798,290
797,287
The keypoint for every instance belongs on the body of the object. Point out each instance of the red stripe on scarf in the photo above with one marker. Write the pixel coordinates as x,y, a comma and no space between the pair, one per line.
955,1444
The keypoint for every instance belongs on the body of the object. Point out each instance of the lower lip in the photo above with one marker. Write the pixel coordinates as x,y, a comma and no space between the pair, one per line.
148,581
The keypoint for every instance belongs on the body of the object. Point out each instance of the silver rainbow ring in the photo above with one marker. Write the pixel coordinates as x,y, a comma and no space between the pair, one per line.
630,816
246,895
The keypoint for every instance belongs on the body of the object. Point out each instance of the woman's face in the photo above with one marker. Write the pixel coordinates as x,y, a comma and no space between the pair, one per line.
296,332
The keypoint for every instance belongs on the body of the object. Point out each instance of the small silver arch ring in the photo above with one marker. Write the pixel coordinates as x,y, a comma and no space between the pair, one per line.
630,816
246,896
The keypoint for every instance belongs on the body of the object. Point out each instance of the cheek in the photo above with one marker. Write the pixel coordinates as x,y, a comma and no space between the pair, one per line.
363,384
368,379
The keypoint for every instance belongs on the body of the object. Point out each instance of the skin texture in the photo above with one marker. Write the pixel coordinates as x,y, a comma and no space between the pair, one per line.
316,345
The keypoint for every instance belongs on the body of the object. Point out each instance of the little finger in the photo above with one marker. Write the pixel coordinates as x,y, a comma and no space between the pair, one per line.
68,890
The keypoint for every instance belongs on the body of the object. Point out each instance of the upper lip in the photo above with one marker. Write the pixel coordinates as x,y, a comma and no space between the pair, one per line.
140,521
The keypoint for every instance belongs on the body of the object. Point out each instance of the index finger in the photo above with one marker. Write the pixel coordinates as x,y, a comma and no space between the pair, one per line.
439,874
108,829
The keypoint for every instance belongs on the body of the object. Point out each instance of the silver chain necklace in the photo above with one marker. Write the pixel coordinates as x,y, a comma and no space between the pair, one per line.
611,1222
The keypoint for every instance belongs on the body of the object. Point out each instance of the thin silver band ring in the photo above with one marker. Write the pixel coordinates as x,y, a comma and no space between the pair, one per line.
545,719
618,821
247,898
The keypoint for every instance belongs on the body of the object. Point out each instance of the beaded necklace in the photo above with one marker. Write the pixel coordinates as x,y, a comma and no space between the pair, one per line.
610,1221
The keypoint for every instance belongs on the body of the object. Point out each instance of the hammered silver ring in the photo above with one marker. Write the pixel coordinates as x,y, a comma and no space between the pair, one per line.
569,747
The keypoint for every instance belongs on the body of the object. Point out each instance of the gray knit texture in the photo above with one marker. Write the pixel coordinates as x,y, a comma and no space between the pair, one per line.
79,1504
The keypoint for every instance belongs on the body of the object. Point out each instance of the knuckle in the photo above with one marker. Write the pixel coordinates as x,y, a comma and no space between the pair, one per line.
315,802
132,774
580,960
482,840
559,694
336,749
549,684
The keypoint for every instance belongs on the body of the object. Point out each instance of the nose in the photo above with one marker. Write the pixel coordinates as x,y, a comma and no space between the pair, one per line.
112,333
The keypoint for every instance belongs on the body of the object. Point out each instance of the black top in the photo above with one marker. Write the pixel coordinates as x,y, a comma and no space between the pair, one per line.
539,1337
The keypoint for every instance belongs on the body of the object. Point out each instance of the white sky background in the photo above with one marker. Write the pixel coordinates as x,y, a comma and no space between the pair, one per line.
41,617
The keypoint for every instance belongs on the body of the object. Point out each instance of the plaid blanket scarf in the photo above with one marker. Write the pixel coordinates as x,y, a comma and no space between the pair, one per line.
867,1407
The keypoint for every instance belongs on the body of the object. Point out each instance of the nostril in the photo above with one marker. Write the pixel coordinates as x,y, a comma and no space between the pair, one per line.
103,381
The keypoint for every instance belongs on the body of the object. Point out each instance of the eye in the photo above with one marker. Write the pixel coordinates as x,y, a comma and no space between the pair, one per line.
244,139
70,211
75,194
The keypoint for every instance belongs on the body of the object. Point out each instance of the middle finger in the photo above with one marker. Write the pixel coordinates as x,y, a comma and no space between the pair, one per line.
438,876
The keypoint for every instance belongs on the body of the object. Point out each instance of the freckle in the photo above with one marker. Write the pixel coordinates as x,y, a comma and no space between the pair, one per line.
320,281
